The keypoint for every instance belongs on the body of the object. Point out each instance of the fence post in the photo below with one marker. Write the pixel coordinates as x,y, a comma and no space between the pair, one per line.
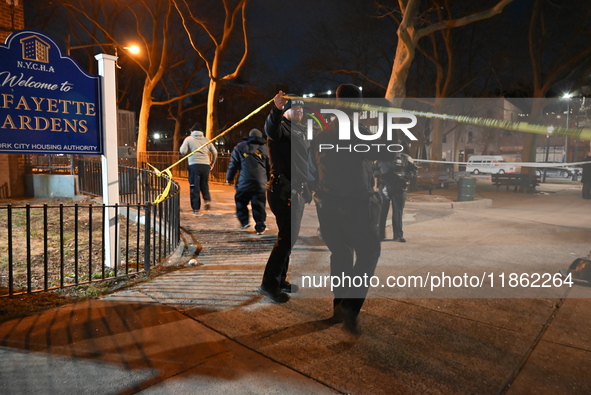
109,160
147,235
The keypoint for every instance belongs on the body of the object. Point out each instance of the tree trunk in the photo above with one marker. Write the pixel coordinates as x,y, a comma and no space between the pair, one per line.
405,50
176,137
212,102
144,117
402,62
437,131
147,103
530,139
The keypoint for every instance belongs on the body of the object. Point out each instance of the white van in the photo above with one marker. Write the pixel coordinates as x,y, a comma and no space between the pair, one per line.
492,164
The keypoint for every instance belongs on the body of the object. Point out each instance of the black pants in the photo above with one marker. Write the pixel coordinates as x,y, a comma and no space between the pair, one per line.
586,189
289,217
257,200
199,184
350,232
396,198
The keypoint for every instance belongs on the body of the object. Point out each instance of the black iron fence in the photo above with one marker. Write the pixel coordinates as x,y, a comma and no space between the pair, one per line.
163,159
86,166
135,185
52,246
50,164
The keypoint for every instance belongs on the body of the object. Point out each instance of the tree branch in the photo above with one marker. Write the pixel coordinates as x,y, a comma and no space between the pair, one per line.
161,103
497,9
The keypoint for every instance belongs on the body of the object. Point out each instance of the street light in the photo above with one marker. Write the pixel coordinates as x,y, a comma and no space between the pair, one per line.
133,49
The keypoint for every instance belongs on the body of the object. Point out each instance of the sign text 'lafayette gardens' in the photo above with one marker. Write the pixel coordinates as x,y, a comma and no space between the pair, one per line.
46,107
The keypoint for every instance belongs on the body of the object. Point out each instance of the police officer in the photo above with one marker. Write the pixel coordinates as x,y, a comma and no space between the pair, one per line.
286,191
394,177
586,176
348,210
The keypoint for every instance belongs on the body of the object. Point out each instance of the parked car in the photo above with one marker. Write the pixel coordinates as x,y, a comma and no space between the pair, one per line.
559,171
492,164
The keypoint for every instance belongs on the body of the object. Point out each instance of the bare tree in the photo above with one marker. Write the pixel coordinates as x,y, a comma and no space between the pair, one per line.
556,52
410,32
180,82
433,21
350,47
153,23
216,50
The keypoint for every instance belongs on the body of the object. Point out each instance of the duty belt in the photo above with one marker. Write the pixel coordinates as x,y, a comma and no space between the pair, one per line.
298,189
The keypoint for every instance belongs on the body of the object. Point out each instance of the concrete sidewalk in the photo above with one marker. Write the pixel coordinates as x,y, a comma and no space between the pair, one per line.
205,329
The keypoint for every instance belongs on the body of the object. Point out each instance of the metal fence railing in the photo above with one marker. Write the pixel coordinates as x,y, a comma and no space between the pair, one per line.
86,166
135,185
163,159
50,164
49,246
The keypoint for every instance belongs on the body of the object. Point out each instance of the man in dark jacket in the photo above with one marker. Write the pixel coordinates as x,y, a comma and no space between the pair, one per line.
586,177
251,158
394,177
348,208
288,150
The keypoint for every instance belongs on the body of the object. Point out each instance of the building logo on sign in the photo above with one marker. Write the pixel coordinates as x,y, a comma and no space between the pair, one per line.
35,49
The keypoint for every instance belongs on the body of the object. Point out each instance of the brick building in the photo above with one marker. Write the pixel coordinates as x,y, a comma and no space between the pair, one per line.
12,18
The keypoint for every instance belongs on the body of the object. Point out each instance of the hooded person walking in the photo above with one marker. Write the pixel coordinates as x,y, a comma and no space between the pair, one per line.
200,163
250,158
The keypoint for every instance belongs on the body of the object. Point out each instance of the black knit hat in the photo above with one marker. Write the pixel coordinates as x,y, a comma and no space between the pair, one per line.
196,126
256,133
292,102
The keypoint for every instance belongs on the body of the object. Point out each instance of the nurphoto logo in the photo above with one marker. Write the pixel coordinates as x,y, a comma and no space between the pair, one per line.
394,122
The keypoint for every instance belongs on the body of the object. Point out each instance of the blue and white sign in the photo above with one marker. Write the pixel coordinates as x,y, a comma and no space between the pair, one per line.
48,104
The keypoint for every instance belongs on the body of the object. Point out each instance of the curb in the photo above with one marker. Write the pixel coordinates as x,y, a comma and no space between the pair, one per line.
187,250
476,203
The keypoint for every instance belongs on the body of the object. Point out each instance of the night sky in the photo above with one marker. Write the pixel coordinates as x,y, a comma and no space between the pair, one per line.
299,43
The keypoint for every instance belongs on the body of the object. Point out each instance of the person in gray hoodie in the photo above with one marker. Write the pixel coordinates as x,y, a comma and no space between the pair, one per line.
200,163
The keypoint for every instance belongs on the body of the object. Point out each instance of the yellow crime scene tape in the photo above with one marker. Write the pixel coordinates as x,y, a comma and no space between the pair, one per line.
167,171
579,133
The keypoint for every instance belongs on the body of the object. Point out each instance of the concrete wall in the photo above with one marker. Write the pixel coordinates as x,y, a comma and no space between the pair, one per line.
51,185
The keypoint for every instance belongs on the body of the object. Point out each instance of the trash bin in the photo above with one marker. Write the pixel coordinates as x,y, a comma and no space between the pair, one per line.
466,189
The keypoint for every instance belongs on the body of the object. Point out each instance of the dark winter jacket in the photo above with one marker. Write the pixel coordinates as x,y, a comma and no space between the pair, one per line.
251,158
284,140
586,177
344,175
396,174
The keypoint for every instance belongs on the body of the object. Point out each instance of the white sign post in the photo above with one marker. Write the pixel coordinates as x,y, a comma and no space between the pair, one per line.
109,160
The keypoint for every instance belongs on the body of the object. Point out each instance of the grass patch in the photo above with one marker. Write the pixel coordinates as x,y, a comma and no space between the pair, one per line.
72,236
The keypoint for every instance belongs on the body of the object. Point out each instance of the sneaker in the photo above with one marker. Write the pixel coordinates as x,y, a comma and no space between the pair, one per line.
261,232
196,212
244,226
288,287
275,296
400,239
207,206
